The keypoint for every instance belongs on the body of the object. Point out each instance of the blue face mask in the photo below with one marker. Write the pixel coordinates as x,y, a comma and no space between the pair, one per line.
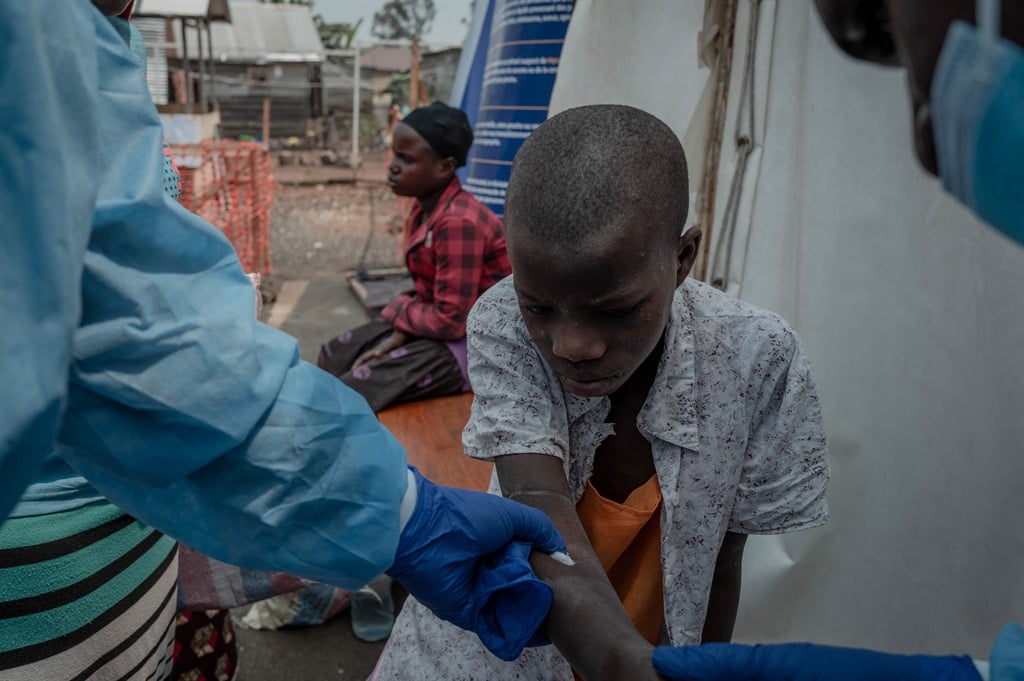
977,104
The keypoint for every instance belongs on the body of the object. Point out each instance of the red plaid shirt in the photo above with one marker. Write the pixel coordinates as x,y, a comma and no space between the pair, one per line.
453,257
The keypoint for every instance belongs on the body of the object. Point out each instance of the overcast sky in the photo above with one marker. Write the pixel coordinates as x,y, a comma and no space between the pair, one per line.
449,27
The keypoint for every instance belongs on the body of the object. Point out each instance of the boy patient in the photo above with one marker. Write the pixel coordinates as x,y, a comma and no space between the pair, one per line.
657,420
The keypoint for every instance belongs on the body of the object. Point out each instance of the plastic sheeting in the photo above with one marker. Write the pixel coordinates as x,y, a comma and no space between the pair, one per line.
910,310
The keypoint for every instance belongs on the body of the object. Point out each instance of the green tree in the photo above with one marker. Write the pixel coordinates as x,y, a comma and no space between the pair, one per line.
407,20
336,36
403,19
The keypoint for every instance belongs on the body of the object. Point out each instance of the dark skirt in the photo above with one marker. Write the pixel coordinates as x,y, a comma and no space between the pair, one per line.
420,369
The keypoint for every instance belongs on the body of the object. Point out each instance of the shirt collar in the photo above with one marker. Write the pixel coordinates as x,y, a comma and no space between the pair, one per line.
453,188
670,412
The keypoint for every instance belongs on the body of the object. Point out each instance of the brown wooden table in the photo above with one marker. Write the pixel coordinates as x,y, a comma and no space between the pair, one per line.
431,432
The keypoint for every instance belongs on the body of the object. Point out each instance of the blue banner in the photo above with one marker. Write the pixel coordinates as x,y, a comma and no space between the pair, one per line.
508,86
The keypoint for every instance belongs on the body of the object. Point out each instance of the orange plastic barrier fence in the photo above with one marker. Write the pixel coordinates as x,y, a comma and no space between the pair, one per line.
230,184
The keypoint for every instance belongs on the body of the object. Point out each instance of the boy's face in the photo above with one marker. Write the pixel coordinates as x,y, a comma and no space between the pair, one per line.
598,312
415,168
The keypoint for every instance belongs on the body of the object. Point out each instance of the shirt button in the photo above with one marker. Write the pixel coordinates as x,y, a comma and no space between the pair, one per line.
669,581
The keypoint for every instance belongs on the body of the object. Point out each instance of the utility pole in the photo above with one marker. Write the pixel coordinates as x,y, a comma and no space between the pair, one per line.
356,67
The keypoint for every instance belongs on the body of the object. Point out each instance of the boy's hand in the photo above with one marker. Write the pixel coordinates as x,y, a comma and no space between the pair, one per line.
804,662
392,341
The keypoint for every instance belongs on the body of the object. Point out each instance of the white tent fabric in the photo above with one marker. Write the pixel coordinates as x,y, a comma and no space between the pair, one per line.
911,311
642,54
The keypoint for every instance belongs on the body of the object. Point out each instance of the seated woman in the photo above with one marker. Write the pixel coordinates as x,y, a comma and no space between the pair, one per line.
456,251
417,348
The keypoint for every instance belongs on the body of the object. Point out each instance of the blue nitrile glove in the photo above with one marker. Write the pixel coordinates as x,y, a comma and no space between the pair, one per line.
445,560
511,602
804,662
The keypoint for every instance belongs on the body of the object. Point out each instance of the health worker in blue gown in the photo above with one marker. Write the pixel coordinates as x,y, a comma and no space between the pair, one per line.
130,347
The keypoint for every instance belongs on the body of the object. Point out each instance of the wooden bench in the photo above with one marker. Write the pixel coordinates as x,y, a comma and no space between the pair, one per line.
431,432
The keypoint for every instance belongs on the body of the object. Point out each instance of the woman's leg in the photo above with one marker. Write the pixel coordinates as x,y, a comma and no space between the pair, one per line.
338,354
420,369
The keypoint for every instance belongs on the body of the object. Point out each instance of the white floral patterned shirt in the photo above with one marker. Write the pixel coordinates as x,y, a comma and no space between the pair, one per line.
736,433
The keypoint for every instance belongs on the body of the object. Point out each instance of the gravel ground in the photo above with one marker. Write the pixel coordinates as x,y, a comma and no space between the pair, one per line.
323,229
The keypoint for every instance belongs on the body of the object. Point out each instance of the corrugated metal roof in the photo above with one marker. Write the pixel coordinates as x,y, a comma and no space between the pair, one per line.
212,10
387,58
262,33
270,32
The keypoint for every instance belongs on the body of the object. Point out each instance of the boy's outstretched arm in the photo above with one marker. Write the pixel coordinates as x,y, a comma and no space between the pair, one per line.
724,599
587,622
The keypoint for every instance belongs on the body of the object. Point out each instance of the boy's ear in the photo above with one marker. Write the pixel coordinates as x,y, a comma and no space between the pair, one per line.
448,165
686,253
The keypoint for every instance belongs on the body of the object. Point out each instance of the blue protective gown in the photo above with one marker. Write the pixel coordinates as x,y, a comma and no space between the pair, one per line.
59,487
130,343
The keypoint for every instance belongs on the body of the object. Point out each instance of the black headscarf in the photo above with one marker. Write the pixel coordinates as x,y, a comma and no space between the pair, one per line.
445,128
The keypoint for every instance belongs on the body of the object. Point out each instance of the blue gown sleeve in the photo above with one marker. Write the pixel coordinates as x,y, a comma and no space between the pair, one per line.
47,164
184,410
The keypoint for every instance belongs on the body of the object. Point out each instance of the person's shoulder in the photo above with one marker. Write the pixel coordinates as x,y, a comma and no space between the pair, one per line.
744,323
706,301
496,325
497,305
465,207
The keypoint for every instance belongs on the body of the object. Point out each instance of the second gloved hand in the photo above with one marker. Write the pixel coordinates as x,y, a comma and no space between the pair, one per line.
804,662
448,553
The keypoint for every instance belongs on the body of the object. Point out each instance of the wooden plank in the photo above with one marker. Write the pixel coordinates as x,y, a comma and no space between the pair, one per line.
377,290
431,432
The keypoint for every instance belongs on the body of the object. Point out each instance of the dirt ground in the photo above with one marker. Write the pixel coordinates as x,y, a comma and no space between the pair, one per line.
324,224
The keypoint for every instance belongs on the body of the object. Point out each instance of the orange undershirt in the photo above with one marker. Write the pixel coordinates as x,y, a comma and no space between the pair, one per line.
627,539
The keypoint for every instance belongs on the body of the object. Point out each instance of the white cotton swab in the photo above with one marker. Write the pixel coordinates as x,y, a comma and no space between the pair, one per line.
562,557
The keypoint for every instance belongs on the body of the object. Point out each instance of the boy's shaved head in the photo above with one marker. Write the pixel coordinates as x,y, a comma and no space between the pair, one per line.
594,215
588,169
